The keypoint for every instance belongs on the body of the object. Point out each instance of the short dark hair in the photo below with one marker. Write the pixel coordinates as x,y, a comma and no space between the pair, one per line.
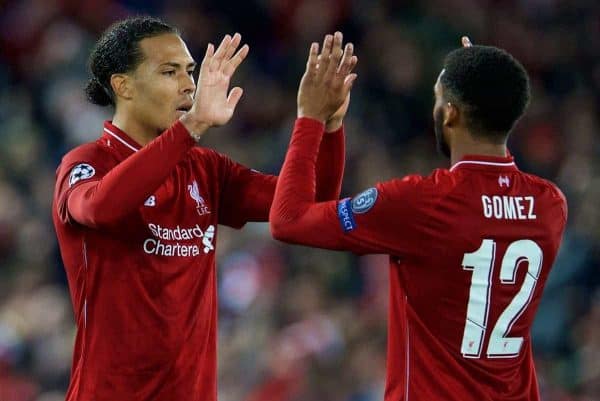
490,85
118,51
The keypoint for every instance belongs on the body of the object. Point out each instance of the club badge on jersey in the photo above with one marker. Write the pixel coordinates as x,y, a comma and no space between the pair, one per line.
194,191
360,204
82,171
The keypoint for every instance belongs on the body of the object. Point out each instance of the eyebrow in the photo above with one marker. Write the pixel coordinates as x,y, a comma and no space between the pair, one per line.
193,64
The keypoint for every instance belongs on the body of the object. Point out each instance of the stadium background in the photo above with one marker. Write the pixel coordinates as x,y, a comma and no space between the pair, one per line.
296,323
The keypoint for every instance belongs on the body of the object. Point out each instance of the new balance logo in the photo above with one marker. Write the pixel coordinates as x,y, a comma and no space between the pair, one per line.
151,201
503,181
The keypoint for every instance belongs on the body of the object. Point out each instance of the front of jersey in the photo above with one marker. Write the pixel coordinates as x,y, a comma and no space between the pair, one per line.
137,236
470,251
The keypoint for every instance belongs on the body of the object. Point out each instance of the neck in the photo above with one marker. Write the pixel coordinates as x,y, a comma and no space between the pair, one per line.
133,128
469,145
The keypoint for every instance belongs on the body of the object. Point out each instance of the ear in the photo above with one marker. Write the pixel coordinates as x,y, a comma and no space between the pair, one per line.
122,85
451,114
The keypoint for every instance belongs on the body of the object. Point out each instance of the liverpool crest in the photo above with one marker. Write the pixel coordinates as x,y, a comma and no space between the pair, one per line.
194,191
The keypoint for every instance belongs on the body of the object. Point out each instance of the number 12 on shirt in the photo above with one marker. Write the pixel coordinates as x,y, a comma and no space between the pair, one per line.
481,263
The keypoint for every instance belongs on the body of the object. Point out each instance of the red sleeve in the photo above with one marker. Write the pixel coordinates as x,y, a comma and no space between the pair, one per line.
387,218
330,165
100,198
247,194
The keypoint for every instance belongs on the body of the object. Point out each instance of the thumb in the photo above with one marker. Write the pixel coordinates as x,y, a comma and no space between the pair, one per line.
234,97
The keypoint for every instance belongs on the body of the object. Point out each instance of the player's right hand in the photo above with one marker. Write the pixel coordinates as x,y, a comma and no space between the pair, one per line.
213,104
328,78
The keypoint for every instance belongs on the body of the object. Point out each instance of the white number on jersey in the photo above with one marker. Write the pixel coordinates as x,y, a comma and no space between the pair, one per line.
481,262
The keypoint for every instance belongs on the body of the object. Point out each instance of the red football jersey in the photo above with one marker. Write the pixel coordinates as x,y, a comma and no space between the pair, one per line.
137,229
470,251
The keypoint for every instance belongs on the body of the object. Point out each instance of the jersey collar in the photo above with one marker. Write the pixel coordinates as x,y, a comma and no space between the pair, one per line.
117,138
481,162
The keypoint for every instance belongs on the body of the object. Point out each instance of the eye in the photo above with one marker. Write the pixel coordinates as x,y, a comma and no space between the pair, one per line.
169,73
190,73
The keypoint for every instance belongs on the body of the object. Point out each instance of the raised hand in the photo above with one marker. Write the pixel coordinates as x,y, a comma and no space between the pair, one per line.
328,79
213,104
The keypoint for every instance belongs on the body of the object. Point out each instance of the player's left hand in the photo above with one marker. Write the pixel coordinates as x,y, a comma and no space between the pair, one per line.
327,81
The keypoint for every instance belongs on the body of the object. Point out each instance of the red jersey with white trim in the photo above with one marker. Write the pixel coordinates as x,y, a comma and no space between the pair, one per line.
137,229
470,251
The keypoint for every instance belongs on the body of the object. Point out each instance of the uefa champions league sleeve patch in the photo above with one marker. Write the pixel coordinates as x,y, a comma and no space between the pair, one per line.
80,172
364,201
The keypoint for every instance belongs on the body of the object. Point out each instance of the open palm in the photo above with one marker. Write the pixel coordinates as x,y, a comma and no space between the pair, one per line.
213,104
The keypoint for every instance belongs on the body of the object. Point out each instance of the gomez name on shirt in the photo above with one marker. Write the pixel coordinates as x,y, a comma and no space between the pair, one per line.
508,207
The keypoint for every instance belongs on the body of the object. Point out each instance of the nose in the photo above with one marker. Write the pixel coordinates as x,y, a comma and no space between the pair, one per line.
188,86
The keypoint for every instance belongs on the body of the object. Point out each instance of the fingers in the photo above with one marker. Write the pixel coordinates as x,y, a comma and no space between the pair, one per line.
466,42
335,57
324,59
233,45
311,63
220,53
210,51
348,62
222,57
236,60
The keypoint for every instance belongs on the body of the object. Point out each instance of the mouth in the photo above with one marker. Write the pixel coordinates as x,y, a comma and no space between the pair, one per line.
184,108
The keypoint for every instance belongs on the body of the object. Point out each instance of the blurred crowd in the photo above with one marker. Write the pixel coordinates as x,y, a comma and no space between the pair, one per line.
297,323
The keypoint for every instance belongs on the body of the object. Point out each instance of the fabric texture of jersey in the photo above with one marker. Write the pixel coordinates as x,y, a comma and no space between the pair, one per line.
470,251
137,228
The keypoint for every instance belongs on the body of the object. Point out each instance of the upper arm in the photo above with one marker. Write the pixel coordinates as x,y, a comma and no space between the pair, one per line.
79,172
388,218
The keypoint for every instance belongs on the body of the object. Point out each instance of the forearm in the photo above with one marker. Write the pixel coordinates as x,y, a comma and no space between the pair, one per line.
122,190
330,165
296,187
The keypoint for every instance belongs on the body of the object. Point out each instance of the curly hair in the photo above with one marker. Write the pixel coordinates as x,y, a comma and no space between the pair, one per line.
491,86
118,51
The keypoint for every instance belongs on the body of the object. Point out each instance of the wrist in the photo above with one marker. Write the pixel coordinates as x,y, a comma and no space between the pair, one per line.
195,128
312,115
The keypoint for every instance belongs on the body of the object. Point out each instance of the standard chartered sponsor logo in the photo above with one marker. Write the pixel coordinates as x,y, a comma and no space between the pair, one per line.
166,240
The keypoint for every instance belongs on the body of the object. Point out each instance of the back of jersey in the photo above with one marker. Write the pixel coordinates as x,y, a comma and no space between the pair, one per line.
471,292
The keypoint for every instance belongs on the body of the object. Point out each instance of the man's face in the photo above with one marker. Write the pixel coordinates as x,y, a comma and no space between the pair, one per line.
438,119
163,83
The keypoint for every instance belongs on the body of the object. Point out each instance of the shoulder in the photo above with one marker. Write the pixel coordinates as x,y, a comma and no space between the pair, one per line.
549,189
547,184
440,181
92,152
